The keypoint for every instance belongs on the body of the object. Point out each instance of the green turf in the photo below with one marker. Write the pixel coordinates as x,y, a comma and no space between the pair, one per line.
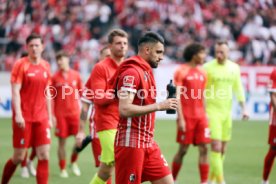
243,164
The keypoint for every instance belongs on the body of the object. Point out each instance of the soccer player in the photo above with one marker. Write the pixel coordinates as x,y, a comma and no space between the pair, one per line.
31,117
192,125
68,85
86,104
270,156
106,115
223,77
104,53
137,156
27,167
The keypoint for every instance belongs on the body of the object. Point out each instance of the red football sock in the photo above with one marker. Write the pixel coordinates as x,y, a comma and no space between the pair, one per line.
62,164
74,157
109,181
24,162
268,162
42,172
8,171
204,171
32,154
175,169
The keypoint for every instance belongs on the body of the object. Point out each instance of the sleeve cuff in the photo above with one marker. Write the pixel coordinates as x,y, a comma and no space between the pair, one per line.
85,100
128,89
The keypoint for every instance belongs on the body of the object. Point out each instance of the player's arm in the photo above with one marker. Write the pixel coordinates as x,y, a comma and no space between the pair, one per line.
49,106
128,109
83,118
273,99
181,124
16,100
239,92
99,86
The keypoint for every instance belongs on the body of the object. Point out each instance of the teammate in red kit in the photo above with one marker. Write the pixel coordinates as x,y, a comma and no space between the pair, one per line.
271,154
137,156
86,104
27,167
68,86
31,118
192,125
106,115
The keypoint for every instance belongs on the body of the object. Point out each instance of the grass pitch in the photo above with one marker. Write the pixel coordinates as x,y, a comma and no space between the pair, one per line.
243,164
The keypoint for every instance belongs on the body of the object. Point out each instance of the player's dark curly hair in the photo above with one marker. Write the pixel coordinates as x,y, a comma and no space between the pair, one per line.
191,50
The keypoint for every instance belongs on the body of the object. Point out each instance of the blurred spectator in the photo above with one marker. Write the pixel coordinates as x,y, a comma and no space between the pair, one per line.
79,27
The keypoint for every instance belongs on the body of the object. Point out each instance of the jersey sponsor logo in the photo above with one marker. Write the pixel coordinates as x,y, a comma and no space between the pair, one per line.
30,74
190,78
132,177
128,81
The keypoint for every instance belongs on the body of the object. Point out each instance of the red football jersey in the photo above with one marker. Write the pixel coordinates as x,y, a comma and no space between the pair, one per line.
193,82
106,108
137,132
68,89
34,79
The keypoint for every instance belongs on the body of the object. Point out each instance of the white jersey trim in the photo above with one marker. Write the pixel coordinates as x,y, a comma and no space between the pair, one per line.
128,89
129,121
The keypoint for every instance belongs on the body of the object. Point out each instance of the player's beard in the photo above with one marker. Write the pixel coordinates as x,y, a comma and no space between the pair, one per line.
119,54
153,63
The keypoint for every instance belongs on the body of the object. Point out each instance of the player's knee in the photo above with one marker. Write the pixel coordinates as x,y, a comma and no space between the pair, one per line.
43,155
105,171
182,151
17,159
203,150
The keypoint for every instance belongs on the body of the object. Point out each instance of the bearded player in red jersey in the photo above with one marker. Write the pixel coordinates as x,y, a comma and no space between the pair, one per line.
31,118
68,86
192,124
271,154
106,108
137,156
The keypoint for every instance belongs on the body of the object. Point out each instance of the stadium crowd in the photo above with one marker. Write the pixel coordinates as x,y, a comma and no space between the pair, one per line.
80,26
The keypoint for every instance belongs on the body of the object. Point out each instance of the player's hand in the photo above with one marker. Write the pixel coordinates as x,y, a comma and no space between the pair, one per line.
79,137
50,122
170,103
19,120
245,115
181,124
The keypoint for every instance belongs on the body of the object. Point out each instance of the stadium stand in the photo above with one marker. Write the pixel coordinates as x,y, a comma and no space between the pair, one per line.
80,27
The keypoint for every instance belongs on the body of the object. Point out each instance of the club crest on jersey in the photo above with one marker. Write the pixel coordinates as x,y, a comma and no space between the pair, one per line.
128,81
22,141
132,177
